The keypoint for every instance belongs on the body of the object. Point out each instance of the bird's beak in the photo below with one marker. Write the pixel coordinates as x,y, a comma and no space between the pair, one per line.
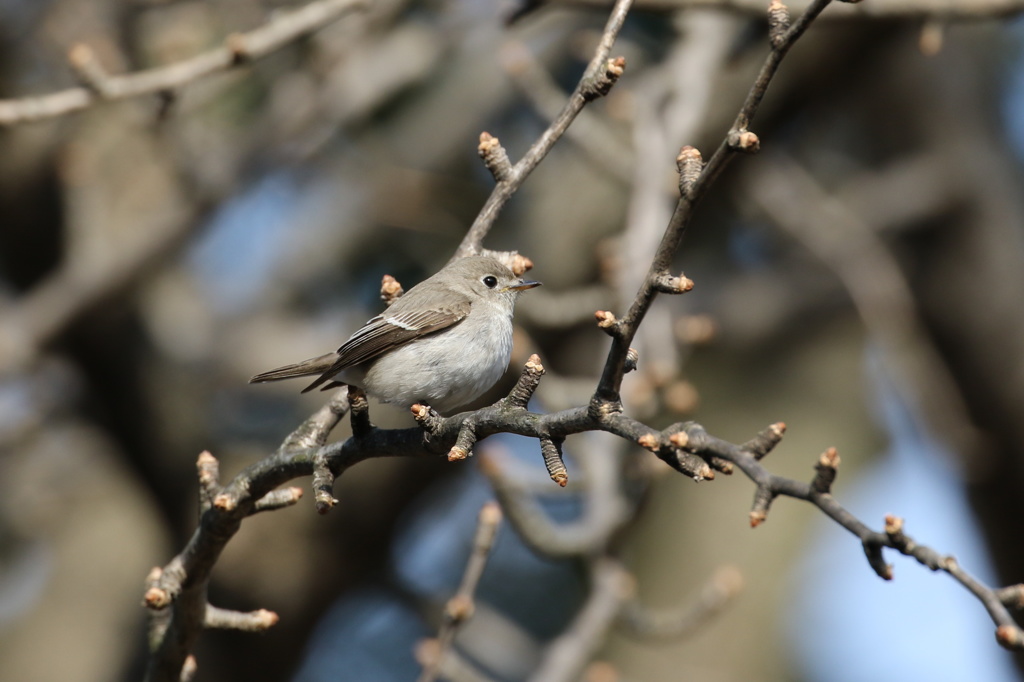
522,286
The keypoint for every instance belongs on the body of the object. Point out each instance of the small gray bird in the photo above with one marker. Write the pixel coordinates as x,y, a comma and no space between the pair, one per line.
444,343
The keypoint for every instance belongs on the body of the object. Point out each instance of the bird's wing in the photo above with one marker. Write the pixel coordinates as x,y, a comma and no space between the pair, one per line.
390,330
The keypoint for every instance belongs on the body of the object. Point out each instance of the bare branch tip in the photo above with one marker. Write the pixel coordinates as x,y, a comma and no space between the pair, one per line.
494,156
1010,637
893,524
324,502
520,264
534,365
490,514
829,458
757,518
457,453
189,669
156,598
390,289
615,67
606,320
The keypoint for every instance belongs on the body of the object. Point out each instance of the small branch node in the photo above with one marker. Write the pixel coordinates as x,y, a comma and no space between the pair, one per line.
601,83
680,439
778,23
459,609
826,470
551,450
390,289
494,156
632,360
765,441
744,141
670,284
225,502
690,164
89,71
238,47
607,321
649,441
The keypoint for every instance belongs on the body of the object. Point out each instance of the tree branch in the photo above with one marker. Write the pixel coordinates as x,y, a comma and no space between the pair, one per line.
284,28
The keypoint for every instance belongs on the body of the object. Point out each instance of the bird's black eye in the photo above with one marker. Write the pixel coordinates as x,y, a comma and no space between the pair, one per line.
491,281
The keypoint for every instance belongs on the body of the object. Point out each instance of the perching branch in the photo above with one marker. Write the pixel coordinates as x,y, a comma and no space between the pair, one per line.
177,593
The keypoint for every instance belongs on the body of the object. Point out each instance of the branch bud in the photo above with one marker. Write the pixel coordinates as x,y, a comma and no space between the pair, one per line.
600,84
778,23
668,284
606,320
494,156
689,164
648,441
826,468
390,289
551,450
632,358
457,453
744,141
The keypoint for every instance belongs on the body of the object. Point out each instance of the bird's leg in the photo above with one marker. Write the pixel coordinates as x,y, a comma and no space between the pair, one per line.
360,412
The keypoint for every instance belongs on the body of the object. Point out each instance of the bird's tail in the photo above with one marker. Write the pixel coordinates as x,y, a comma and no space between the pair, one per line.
317,365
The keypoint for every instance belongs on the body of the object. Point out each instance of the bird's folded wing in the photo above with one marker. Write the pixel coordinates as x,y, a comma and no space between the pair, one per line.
388,331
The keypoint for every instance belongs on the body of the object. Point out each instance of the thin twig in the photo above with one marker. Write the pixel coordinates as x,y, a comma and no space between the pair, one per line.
691,193
461,606
600,75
